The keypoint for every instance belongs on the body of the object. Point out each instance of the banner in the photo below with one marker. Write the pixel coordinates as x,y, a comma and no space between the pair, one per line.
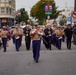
48,9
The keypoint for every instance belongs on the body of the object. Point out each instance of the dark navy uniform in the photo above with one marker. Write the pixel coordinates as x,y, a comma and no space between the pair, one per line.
4,38
17,38
27,37
48,38
68,33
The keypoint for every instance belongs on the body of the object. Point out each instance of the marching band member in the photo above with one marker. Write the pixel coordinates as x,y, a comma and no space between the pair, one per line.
9,33
63,34
58,33
36,42
0,38
48,34
4,37
20,33
13,37
17,38
54,27
68,33
27,30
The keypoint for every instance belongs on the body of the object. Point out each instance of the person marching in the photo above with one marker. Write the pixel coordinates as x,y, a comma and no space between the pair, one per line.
63,35
9,33
13,37
59,37
45,39
48,33
0,38
21,34
36,42
54,27
74,35
17,38
27,30
68,33
4,37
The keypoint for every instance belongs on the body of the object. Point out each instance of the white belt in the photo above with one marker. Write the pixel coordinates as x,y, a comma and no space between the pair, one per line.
17,37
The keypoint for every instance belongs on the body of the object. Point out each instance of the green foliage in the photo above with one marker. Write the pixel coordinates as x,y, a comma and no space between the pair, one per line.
63,16
24,16
40,22
38,12
63,21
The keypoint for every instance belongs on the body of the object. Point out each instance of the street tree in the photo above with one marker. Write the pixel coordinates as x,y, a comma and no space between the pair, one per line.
38,12
23,16
63,20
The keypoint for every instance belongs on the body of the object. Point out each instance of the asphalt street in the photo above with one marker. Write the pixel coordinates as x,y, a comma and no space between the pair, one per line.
51,62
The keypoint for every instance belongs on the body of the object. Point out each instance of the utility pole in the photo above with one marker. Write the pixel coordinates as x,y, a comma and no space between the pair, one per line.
48,17
74,5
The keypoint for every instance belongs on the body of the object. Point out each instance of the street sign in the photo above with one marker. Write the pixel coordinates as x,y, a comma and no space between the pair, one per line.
69,19
74,14
48,9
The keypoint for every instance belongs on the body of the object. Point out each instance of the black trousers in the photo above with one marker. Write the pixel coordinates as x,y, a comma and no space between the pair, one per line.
45,42
59,44
68,40
0,43
28,42
49,38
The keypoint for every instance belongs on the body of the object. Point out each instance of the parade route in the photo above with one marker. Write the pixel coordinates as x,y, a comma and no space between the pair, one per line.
52,62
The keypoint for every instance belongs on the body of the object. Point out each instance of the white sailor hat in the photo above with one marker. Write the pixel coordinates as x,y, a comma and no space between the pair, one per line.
27,25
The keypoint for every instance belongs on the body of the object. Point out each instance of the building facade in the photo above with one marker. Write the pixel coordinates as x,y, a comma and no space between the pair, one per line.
7,12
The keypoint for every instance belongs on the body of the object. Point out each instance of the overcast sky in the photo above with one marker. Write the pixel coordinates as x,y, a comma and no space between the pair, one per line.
27,4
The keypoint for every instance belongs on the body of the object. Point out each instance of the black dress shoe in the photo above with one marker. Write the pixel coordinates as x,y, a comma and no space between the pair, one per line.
50,49
28,49
36,61
17,50
69,48
59,48
4,51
